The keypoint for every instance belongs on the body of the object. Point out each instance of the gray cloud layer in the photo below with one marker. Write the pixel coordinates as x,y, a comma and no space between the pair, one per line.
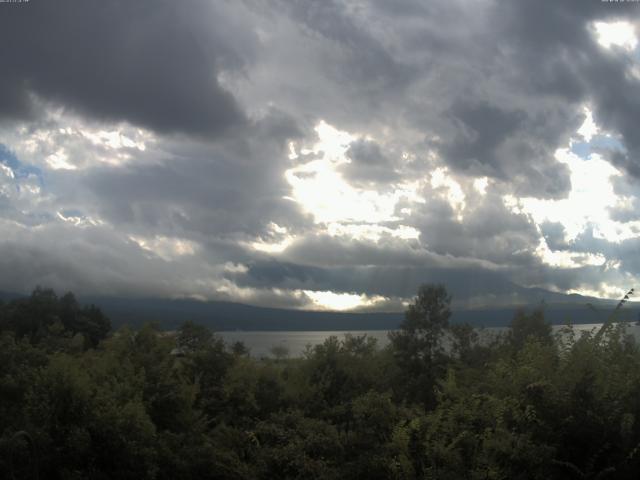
218,90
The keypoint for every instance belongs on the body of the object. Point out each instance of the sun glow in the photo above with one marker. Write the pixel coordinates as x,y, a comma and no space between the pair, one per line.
323,192
588,128
620,34
588,203
327,300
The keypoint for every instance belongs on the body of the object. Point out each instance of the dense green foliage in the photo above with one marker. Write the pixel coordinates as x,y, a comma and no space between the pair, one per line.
78,401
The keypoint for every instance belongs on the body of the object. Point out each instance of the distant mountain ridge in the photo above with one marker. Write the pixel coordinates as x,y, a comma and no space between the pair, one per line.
225,316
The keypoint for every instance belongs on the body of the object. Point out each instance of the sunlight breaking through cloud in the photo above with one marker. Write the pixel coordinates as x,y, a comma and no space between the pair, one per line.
327,300
589,128
588,204
620,34
322,191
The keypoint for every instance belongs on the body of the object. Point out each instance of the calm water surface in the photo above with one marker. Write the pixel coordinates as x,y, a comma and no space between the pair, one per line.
261,343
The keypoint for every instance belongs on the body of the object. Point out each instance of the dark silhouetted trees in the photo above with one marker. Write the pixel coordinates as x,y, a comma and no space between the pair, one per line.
438,402
43,315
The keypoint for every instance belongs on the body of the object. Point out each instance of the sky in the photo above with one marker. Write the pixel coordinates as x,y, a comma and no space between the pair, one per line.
320,154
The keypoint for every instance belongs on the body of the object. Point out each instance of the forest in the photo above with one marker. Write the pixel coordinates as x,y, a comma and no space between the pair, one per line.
78,400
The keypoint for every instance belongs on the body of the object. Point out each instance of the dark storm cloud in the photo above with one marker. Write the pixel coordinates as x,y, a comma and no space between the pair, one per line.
557,38
371,65
153,63
511,145
482,129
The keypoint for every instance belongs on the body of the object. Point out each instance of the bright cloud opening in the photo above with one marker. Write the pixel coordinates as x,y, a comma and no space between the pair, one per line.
451,190
59,161
165,247
481,184
279,241
565,259
372,232
324,193
604,290
620,34
116,139
588,128
588,203
327,300
64,146
78,219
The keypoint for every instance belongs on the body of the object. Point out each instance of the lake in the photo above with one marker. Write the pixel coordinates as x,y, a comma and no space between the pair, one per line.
261,343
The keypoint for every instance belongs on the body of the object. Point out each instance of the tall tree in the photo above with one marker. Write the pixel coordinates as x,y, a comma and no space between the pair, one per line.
418,345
